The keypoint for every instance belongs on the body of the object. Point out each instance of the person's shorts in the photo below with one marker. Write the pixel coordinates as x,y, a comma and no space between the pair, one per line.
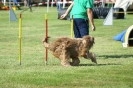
81,27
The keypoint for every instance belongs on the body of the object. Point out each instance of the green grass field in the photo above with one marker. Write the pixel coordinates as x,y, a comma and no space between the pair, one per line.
115,63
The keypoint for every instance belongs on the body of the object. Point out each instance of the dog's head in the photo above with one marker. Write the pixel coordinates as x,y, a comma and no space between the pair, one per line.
88,41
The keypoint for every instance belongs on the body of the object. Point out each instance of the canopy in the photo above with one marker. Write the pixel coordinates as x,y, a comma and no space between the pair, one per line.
123,4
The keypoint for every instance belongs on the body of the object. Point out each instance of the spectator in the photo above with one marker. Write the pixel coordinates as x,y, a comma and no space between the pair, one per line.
58,4
81,10
25,3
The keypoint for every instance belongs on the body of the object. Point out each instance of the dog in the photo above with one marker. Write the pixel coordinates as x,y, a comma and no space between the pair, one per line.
65,48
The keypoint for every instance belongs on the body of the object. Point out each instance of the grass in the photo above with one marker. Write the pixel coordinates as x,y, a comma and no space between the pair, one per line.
114,68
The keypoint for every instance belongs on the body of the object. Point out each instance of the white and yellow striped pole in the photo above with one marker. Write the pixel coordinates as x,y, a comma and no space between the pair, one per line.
20,37
72,25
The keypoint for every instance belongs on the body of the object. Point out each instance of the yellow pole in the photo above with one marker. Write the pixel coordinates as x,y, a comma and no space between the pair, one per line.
20,37
124,12
72,25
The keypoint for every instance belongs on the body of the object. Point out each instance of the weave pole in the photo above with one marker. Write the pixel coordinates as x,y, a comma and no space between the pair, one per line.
46,37
124,12
72,25
20,37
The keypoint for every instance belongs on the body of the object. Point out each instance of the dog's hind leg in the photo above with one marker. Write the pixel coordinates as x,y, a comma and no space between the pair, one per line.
65,63
75,61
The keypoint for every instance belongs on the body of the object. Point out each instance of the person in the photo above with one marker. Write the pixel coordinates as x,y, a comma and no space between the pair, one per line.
58,4
25,3
1,4
81,11
29,5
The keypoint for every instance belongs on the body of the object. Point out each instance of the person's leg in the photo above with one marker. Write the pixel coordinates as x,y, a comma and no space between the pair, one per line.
58,5
81,27
29,5
76,30
61,5
84,27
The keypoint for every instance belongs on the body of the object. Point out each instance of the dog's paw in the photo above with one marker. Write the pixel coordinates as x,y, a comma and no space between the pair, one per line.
93,58
66,64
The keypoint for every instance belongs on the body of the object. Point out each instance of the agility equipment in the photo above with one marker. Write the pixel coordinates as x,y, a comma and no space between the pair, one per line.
120,36
72,25
101,13
118,13
62,11
47,5
20,37
123,4
12,15
64,3
128,39
109,18
46,37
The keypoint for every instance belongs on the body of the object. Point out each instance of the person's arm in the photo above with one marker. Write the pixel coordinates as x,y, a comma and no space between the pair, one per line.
67,11
90,16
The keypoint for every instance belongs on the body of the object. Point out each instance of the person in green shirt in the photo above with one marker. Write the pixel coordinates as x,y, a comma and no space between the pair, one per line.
82,13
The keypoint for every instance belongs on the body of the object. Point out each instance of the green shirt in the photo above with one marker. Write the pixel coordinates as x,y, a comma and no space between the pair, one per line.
79,9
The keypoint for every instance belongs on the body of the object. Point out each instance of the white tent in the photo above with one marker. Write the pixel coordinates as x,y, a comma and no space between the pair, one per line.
4,2
123,4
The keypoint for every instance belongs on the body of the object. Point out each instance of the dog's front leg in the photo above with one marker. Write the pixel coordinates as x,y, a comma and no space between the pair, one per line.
92,57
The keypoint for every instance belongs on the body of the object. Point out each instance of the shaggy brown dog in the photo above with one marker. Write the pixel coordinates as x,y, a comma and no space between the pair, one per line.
65,48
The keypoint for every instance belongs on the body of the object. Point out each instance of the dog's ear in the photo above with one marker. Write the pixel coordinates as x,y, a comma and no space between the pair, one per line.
87,39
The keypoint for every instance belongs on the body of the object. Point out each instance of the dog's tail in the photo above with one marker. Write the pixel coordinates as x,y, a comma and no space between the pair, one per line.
46,45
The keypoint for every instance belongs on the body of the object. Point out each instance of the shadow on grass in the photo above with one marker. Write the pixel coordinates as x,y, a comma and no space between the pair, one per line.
98,64
115,56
